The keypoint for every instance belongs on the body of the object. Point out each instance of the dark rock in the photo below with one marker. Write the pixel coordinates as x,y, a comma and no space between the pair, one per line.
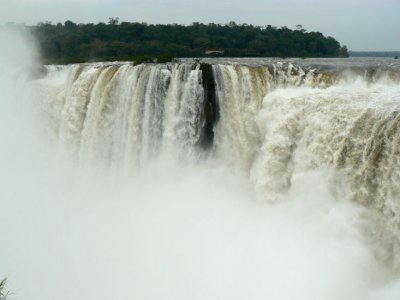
210,110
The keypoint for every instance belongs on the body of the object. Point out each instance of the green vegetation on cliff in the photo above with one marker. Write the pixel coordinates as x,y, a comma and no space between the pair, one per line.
70,42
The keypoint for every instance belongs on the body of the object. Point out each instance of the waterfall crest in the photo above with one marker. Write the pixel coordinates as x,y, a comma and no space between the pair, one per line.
274,123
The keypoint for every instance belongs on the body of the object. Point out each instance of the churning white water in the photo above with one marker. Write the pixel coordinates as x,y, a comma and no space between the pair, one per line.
109,193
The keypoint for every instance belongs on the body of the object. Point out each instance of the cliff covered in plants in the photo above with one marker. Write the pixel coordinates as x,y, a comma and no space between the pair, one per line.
71,42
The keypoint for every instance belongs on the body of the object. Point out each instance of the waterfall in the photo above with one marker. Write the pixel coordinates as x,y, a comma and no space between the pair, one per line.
274,123
122,114
353,131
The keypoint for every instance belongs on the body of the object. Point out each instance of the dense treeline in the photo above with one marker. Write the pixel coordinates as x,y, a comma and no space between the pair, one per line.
70,42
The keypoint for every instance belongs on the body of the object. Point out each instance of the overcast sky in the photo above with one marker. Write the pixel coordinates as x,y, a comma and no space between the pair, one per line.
359,24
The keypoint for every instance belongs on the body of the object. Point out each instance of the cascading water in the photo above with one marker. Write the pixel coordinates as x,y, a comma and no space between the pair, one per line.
275,123
121,114
306,135
352,130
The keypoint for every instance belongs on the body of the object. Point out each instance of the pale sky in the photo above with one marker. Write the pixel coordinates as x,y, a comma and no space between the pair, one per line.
360,24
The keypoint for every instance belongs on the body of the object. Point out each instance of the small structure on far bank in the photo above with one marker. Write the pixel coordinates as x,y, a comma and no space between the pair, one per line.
396,57
214,52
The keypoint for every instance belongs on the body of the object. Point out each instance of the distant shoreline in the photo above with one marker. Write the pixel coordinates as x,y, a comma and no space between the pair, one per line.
374,53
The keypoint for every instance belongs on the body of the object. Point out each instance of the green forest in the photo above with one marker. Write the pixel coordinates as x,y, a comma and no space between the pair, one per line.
71,42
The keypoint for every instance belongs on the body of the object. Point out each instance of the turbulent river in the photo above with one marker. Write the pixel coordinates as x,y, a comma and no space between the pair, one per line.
201,179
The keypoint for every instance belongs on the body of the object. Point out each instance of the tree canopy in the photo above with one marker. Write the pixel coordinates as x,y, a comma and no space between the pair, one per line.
71,42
